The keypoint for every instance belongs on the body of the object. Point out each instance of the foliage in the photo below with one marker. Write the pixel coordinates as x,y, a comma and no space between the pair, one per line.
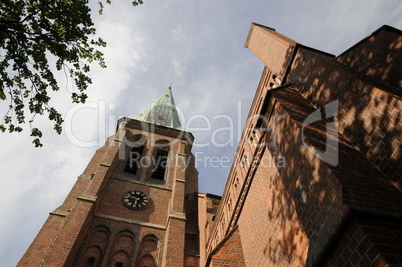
33,34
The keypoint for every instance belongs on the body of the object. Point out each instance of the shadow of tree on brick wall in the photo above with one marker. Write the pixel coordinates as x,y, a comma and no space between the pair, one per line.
312,199
382,54
301,202
369,109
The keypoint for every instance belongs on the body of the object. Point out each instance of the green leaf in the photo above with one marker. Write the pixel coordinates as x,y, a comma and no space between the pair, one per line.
33,35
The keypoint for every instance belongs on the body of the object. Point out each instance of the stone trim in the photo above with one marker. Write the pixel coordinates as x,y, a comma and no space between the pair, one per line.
179,216
87,198
57,212
85,177
105,165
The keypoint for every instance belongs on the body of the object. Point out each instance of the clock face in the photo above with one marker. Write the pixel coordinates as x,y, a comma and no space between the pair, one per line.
135,200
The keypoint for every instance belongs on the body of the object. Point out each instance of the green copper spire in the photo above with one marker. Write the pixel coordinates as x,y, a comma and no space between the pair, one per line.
162,112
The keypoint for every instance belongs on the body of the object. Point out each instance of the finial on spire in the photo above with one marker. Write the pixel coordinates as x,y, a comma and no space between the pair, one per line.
170,86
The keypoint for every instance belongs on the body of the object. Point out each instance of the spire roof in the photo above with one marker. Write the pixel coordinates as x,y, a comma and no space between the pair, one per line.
162,112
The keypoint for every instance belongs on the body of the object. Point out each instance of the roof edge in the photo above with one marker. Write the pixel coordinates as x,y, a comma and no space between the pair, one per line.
383,27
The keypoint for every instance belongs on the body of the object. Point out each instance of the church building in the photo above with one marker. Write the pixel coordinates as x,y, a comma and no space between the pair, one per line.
316,179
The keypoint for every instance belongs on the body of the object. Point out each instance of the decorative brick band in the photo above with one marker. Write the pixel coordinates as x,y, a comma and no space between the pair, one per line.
120,219
163,187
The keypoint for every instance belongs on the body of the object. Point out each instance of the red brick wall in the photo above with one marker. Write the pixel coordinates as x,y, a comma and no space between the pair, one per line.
37,250
368,243
229,253
174,247
156,211
271,231
305,201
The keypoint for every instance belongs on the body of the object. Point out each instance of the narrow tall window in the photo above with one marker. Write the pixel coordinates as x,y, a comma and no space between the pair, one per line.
160,165
91,262
134,160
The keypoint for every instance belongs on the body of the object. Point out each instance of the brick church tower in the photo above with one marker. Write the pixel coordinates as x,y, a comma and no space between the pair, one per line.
134,205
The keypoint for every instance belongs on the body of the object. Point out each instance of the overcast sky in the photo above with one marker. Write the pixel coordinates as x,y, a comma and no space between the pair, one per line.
196,45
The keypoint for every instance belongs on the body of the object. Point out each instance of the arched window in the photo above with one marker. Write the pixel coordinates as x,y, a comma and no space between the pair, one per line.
161,159
160,164
134,159
132,151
